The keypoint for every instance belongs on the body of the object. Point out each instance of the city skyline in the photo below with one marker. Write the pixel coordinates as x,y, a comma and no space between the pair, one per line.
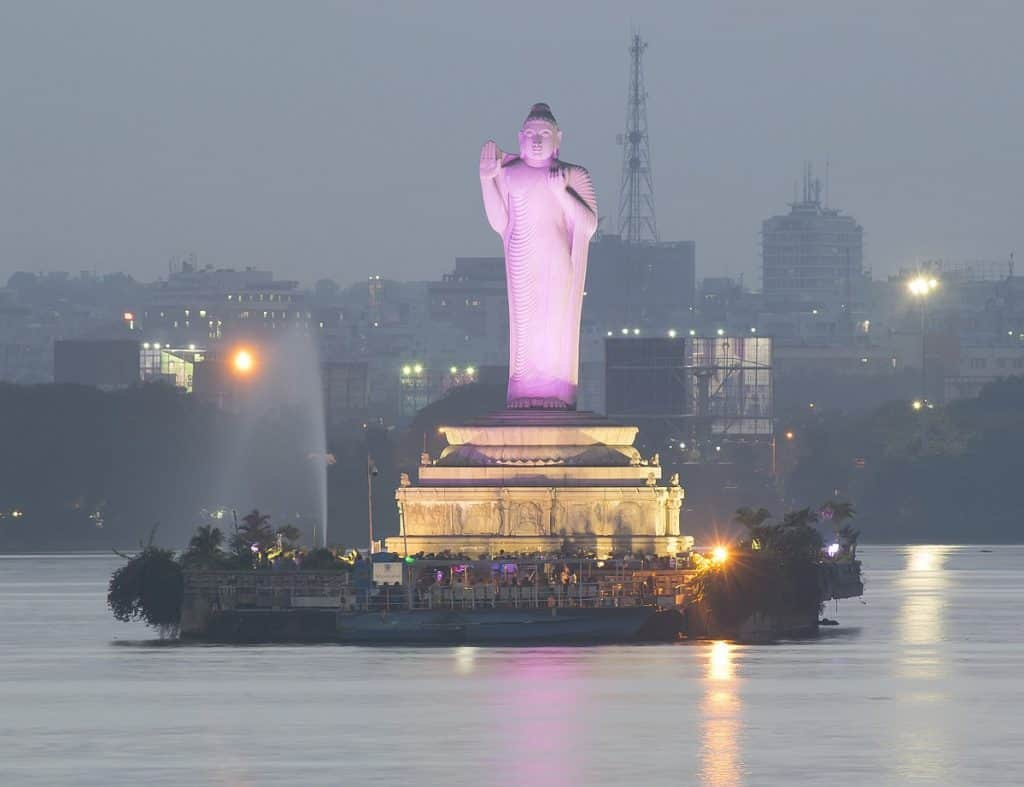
265,136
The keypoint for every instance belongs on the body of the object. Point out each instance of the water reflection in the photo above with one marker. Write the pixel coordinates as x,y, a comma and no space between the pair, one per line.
720,718
720,665
923,588
540,719
465,659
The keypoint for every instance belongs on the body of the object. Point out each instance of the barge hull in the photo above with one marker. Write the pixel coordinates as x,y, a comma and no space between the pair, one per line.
445,627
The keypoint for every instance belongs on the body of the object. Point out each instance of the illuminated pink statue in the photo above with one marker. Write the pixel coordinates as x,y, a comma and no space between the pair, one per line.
545,211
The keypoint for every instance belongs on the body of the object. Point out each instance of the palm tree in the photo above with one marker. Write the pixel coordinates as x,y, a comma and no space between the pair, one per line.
253,536
750,518
204,548
839,511
288,536
754,521
802,518
848,536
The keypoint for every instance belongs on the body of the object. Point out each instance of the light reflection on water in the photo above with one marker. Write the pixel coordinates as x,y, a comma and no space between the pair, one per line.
922,681
923,590
540,721
922,740
720,718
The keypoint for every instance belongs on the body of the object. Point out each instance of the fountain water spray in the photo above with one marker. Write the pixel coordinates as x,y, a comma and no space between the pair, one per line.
278,459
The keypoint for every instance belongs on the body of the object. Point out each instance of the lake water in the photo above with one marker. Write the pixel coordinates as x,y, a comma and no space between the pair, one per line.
923,681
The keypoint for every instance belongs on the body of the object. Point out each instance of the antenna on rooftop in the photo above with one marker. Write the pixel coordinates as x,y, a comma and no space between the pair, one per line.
828,167
636,194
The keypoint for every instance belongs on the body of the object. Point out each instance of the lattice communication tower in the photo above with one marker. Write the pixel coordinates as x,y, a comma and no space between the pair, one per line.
636,194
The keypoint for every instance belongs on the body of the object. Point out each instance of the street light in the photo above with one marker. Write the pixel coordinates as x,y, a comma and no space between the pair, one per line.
921,286
242,362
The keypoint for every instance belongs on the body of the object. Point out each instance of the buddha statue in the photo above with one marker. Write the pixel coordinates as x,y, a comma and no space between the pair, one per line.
545,211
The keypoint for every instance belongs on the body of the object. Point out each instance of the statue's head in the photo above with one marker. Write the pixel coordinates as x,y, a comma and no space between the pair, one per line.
539,138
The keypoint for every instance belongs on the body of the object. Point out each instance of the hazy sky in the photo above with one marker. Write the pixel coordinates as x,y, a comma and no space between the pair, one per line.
339,139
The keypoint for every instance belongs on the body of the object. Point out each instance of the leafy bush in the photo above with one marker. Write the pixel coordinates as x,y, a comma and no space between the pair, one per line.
773,571
148,587
322,559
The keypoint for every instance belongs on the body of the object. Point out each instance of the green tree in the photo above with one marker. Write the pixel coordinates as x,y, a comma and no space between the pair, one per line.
252,538
289,536
838,512
321,559
149,587
773,573
805,517
205,548
848,536
750,518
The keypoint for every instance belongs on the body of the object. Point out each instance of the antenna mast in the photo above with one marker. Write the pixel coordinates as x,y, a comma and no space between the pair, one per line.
636,194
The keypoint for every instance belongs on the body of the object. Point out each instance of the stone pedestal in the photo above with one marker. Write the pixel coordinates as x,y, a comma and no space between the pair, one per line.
524,481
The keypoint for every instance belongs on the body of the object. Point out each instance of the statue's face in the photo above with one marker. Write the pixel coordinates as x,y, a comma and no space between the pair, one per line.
539,140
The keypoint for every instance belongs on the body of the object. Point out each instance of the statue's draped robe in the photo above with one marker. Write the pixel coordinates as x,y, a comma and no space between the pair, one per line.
546,242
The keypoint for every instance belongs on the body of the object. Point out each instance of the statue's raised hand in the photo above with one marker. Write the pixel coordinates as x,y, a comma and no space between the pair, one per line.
558,178
490,160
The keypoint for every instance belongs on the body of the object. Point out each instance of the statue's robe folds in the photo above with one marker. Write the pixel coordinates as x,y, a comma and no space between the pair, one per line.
546,241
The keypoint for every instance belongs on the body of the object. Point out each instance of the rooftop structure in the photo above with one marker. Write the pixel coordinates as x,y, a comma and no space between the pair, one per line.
813,256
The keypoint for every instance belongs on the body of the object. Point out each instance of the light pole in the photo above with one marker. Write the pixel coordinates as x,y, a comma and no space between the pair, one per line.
921,286
371,471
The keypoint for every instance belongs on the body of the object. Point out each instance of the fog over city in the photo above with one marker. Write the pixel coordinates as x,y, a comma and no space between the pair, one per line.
301,137
569,393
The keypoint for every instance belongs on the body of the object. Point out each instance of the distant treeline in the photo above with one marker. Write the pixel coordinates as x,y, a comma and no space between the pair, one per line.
82,468
87,469
942,475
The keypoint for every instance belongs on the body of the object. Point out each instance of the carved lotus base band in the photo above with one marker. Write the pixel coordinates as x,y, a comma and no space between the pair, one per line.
538,403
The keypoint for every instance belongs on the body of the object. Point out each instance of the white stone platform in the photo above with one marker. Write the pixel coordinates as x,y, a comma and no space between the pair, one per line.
524,481
540,438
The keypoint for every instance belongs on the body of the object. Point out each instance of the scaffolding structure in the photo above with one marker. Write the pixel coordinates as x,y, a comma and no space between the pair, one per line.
692,394
730,388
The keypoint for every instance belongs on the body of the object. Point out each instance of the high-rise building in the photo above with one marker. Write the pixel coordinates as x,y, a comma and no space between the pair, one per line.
473,297
813,256
650,286
107,363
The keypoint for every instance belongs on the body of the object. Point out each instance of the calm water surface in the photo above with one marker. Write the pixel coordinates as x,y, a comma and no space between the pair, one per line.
923,682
